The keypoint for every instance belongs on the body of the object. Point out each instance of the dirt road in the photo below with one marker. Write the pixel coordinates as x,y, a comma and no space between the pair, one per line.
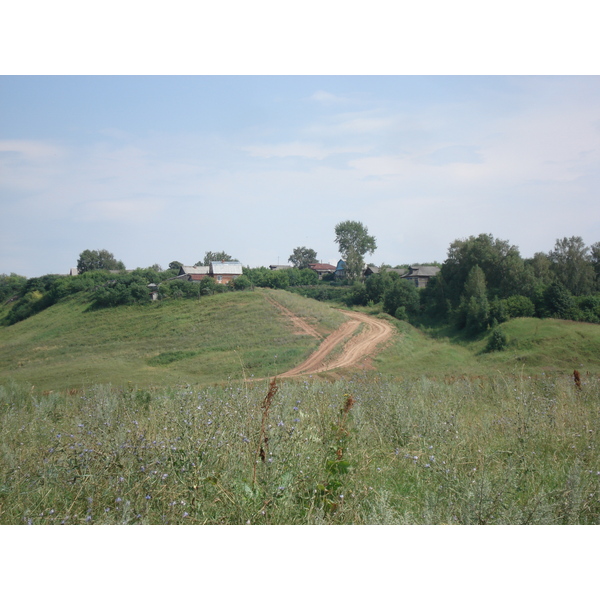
348,350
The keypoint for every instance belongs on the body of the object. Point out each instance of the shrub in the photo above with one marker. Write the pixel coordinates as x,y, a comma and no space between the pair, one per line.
498,341
401,293
401,313
519,306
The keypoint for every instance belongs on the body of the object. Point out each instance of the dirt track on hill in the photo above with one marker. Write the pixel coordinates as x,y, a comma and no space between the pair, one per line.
354,348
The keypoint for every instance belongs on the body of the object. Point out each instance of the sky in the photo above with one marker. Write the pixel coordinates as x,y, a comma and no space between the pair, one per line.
163,168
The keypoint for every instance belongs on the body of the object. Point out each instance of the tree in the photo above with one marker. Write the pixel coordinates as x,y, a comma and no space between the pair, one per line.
401,294
502,265
558,302
95,260
572,265
354,242
175,264
213,257
302,257
474,308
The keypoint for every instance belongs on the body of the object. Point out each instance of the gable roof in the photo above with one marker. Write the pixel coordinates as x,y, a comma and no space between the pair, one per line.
194,270
322,267
226,267
418,271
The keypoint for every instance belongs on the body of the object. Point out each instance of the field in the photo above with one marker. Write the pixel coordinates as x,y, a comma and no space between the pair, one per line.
369,450
168,414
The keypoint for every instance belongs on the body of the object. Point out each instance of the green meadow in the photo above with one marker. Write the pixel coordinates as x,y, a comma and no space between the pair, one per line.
159,414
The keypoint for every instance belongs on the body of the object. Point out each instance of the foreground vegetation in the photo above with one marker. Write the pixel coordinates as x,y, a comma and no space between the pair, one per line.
371,450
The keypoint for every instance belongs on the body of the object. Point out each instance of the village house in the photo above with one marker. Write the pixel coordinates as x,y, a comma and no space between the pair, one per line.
375,270
340,270
223,271
322,269
420,276
193,273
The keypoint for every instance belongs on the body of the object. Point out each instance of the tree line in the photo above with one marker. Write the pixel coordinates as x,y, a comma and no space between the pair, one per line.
484,281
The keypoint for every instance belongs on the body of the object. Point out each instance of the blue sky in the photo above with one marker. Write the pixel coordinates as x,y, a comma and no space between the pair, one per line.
163,168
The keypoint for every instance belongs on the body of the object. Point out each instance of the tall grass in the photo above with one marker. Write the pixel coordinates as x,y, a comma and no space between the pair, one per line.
504,450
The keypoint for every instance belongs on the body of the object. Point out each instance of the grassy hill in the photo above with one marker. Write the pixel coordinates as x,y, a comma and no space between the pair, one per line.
242,334
233,335
535,346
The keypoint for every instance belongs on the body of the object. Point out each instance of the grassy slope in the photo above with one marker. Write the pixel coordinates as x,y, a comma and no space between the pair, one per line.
223,336
534,346
242,334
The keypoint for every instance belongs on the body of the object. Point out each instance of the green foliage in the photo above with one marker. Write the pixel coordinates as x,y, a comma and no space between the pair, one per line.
11,285
401,293
357,296
401,313
572,267
558,302
354,242
242,282
127,289
474,311
497,342
501,263
96,260
519,306
213,257
179,288
301,257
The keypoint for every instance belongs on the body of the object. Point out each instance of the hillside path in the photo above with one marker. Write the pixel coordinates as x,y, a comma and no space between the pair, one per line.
349,349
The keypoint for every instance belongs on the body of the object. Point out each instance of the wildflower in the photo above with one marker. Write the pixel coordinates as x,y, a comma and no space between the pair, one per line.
148,497
185,514
118,500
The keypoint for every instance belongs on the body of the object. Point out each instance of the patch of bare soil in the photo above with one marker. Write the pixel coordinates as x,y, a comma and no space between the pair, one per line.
355,348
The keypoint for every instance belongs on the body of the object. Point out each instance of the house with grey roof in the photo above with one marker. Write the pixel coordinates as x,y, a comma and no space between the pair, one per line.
322,269
225,271
420,276
193,273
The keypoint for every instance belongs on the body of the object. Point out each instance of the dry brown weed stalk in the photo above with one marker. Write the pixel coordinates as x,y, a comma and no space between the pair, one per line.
263,440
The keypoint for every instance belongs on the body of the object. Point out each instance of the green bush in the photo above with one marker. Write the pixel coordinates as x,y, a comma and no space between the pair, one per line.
519,306
497,342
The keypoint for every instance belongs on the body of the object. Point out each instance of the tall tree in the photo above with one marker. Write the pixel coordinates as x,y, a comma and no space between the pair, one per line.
501,263
302,257
354,242
213,257
572,265
474,308
95,260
